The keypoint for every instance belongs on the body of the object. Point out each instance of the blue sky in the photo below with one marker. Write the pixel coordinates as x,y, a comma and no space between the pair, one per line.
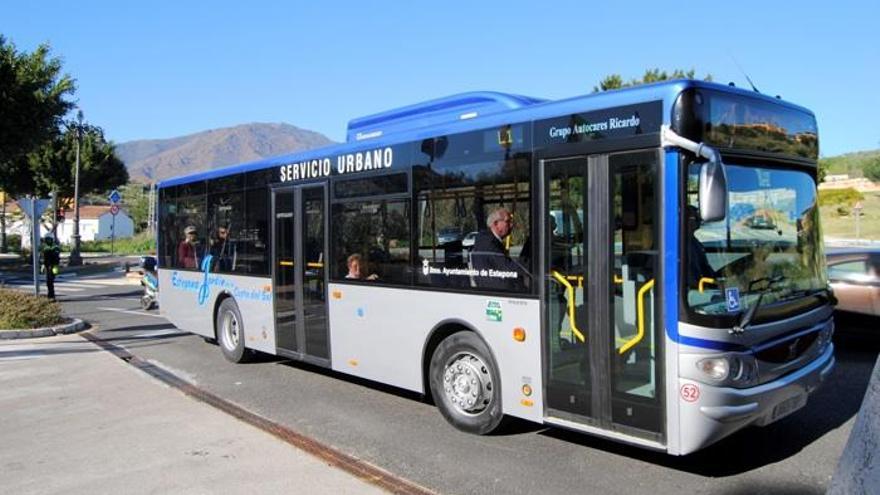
163,69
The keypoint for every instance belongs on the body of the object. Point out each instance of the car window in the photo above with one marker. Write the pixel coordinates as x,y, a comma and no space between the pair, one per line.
847,270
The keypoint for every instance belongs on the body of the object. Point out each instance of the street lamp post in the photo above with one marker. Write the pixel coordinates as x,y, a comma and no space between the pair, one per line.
75,258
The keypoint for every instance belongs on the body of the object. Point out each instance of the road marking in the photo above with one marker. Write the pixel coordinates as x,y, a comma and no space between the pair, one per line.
88,285
131,312
66,288
97,282
158,333
58,288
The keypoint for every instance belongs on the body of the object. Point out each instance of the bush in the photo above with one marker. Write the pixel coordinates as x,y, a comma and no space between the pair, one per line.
19,310
840,197
142,243
13,242
872,170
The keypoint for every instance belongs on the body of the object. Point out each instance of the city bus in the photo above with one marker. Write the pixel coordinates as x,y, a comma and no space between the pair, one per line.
645,265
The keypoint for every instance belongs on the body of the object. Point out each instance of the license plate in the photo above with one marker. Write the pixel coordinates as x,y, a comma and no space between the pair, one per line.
789,406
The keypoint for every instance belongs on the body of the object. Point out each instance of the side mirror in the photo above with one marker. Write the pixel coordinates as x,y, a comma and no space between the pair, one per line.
713,191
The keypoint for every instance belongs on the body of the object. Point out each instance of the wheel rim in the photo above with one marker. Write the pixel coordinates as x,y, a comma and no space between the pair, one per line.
467,383
230,329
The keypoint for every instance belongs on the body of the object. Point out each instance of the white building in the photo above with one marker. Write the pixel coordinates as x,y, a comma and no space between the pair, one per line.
95,223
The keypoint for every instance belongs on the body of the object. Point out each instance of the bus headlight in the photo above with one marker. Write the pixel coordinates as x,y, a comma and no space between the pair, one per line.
733,369
716,368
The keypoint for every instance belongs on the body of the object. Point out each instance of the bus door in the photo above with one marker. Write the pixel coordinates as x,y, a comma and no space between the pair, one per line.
602,341
300,246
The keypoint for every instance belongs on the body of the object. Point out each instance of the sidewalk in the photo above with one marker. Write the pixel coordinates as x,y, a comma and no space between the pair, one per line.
76,419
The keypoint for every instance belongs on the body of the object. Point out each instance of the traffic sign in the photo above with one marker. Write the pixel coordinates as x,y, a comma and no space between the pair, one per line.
32,207
114,209
115,197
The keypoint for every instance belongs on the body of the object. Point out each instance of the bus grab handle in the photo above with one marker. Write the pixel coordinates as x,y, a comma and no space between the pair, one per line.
569,290
640,311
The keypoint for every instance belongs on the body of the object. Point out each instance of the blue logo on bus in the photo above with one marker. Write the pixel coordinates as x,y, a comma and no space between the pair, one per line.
205,289
732,299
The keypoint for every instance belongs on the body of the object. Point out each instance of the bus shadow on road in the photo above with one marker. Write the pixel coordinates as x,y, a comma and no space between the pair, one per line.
837,402
363,382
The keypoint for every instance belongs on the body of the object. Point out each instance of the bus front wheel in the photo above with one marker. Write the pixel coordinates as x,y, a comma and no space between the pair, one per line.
465,384
230,332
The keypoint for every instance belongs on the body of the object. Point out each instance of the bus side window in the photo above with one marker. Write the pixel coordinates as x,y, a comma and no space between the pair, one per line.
225,221
378,230
455,195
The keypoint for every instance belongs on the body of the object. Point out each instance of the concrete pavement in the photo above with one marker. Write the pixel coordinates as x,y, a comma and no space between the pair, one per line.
76,419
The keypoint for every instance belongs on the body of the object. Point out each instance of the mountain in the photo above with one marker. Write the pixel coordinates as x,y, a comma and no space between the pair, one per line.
150,160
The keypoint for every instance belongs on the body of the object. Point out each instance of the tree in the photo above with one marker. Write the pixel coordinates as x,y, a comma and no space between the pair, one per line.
822,171
615,81
136,201
33,100
52,166
872,169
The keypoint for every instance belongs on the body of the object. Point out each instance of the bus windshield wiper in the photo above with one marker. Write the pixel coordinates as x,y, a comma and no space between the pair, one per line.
749,315
824,293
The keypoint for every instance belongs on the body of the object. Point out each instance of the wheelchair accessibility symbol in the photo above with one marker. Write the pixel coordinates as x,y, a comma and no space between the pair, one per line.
732,300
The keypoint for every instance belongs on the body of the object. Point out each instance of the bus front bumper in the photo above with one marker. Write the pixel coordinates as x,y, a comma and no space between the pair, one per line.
713,413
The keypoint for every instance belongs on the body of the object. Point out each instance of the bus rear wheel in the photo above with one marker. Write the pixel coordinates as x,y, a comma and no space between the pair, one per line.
465,384
230,332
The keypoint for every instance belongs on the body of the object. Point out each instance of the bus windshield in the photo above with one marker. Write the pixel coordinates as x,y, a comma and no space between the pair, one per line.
769,243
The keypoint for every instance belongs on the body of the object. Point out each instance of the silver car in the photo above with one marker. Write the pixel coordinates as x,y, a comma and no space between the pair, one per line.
855,276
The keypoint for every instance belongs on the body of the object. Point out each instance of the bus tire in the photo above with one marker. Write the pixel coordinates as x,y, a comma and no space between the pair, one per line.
230,332
465,383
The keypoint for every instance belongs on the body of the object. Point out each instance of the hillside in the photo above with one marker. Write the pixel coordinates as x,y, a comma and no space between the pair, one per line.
156,159
849,163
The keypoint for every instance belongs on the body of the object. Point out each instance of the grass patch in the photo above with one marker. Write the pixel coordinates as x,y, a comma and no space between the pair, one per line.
19,311
142,243
839,220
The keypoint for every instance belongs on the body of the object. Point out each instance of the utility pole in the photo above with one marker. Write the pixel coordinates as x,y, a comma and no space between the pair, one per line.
857,211
151,212
3,248
75,257
54,196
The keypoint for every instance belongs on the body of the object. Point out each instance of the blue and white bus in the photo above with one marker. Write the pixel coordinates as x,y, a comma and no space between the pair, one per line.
644,265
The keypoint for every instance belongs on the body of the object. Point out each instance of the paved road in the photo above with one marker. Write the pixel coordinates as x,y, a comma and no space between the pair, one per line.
396,431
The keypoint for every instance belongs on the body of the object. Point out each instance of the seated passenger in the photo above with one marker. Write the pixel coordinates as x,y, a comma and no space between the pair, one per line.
354,263
223,251
497,270
187,256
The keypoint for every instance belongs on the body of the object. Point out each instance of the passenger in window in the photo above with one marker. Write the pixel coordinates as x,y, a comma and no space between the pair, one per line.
187,256
355,262
496,269
223,251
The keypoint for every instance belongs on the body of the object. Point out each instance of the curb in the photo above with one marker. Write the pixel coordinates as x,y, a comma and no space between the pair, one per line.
74,326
